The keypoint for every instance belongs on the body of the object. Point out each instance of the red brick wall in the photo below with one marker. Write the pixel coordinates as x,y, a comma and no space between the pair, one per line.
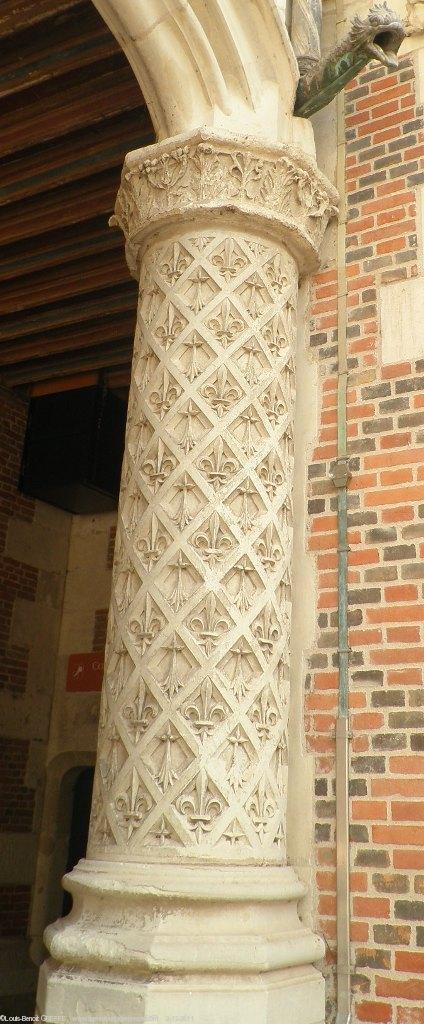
386,569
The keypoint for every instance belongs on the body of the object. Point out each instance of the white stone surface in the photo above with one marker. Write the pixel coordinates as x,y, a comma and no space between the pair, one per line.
402,318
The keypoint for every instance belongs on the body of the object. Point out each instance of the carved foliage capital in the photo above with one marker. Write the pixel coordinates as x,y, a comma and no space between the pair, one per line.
277,185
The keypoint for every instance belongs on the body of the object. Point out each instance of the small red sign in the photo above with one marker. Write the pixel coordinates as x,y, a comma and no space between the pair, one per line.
85,672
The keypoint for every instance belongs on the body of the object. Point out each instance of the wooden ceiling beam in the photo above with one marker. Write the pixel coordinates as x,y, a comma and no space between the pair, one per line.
51,49
55,209
76,156
89,335
16,15
110,303
102,357
78,106
70,281
58,247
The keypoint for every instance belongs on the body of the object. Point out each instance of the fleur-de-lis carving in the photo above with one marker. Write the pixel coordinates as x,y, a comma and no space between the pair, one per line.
276,336
221,395
264,714
212,542
226,324
176,263
206,712
145,629
267,631
151,548
200,807
163,399
133,805
276,274
261,809
141,713
183,514
167,774
274,404
271,475
218,467
171,328
209,625
229,260
158,466
269,549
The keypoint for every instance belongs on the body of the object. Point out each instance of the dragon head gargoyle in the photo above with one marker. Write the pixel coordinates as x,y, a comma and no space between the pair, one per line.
378,36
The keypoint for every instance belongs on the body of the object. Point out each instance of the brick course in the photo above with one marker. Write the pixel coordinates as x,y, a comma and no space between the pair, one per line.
384,164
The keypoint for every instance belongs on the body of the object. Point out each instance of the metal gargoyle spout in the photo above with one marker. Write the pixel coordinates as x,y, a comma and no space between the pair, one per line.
376,37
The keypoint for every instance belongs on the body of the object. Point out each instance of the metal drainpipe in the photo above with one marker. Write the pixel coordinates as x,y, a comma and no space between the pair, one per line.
341,476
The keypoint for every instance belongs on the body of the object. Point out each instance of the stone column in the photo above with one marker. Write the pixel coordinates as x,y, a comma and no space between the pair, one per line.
185,907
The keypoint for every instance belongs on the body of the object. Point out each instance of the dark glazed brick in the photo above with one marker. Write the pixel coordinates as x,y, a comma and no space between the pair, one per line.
361,518
322,833
376,391
381,574
371,596
398,552
372,859
321,787
420,936
358,834
325,808
358,787
391,883
409,910
393,935
406,719
417,742
364,764
369,675
388,698
377,426
388,741
380,535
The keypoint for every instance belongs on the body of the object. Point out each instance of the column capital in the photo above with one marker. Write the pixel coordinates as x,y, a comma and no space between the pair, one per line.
203,174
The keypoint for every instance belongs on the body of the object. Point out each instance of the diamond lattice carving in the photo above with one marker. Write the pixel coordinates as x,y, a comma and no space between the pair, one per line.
193,750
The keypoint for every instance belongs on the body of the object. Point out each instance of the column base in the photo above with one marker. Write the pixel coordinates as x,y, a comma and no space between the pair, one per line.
181,944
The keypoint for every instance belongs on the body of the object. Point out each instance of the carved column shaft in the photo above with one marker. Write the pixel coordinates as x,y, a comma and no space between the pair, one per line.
188,824
193,749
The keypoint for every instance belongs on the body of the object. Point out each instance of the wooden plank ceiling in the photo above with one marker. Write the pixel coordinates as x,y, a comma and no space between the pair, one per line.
70,108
